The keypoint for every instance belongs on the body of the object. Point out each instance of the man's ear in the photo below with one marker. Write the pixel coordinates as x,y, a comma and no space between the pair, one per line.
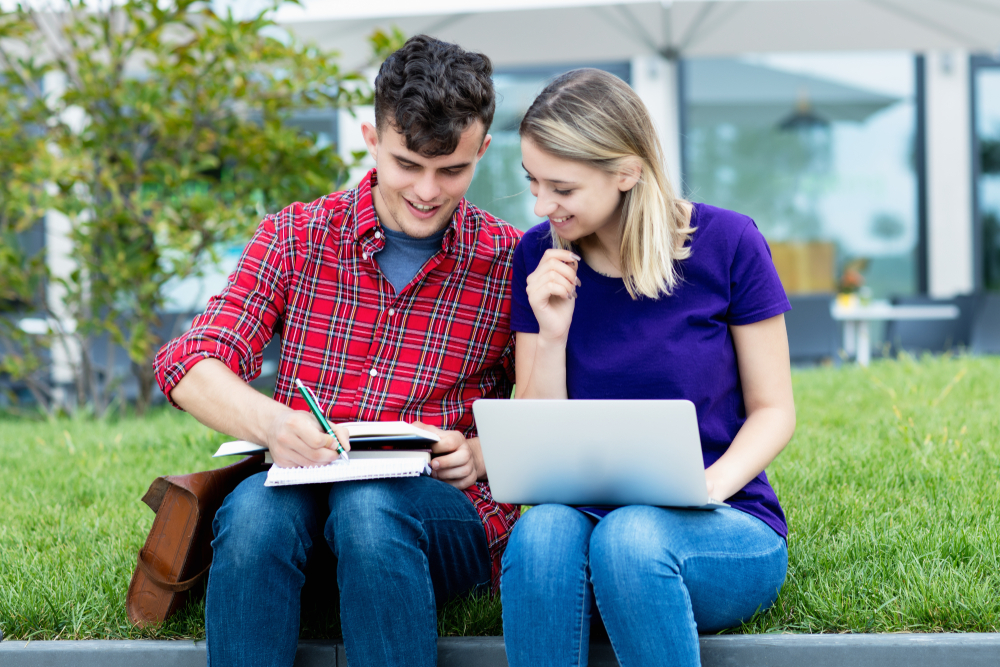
629,175
370,134
486,144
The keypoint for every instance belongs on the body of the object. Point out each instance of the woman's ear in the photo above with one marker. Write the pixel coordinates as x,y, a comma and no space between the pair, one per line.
629,175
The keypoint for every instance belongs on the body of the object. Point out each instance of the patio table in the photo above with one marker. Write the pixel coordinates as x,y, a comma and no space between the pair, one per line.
855,319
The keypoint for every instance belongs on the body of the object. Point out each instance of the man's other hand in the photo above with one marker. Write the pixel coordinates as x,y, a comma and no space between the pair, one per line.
457,459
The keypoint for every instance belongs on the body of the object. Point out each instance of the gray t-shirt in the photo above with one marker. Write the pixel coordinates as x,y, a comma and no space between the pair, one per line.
403,255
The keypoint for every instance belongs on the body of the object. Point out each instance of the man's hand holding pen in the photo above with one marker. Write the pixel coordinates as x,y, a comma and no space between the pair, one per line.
296,439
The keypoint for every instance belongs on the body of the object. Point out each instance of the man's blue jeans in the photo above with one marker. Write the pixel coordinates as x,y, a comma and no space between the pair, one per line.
402,547
658,577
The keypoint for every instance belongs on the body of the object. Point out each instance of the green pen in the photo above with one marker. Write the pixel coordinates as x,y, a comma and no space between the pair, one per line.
318,414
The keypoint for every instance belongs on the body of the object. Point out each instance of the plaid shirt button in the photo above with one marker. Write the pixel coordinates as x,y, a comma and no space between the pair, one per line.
373,372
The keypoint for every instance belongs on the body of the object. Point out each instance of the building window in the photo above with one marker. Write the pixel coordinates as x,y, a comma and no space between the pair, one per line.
819,149
499,185
986,166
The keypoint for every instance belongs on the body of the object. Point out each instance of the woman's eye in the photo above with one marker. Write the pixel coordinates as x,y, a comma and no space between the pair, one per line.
563,192
529,178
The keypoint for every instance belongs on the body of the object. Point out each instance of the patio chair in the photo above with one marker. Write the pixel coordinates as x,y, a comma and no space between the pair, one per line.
917,336
986,326
813,335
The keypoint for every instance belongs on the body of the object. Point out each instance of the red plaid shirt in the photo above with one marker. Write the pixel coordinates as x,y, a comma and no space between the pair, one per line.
308,274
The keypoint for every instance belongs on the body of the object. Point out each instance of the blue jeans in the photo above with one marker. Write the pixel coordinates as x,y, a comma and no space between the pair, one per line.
403,546
658,577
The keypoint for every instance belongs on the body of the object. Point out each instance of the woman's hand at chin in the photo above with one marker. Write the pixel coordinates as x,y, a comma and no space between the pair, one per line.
552,293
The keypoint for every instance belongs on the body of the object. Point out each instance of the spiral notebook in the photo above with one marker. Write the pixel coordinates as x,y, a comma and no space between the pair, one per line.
363,465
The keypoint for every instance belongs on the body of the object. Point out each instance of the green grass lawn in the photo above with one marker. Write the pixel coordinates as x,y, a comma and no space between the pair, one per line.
891,487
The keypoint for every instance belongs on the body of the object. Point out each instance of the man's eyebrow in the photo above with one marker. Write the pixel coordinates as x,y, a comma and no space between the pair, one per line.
549,180
401,158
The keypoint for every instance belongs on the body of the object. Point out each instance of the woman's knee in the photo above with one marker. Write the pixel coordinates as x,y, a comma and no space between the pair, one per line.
545,529
547,552
548,538
725,593
633,542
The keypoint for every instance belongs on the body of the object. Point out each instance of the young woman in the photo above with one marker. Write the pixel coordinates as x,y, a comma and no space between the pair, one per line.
628,292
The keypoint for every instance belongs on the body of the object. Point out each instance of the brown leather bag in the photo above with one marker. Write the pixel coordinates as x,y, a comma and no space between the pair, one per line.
178,551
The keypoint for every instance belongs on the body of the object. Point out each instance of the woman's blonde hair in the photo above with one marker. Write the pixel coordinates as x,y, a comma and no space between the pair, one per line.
591,116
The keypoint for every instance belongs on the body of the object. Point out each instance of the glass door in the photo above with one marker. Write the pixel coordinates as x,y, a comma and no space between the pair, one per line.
819,149
986,166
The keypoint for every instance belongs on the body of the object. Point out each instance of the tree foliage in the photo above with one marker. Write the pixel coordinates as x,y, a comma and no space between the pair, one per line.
161,129
25,164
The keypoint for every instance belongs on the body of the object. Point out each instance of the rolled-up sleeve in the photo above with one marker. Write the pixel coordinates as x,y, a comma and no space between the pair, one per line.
239,322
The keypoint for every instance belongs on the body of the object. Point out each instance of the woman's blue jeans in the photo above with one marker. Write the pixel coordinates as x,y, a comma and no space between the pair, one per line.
658,576
402,546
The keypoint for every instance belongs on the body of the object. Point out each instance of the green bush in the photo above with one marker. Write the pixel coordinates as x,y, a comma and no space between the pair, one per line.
162,133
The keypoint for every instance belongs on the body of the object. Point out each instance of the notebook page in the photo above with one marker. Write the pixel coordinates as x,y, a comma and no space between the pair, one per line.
238,447
341,471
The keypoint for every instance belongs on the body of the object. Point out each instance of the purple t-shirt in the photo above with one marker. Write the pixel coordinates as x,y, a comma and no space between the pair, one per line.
677,346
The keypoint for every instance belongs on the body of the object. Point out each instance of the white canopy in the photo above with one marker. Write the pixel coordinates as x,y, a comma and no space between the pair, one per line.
516,32
765,95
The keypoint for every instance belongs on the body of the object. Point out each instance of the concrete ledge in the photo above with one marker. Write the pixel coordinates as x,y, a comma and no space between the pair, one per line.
895,650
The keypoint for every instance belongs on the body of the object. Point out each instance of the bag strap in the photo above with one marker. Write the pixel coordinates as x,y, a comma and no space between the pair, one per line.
178,587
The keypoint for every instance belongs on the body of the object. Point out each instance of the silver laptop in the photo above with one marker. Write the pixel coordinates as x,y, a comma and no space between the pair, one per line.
584,452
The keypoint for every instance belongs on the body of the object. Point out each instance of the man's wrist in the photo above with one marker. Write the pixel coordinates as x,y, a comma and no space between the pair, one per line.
267,422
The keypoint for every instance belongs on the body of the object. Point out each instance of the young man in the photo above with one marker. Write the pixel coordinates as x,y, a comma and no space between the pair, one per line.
391,301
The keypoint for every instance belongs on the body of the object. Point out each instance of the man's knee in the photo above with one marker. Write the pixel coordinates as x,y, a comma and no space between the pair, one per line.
258,524
366,515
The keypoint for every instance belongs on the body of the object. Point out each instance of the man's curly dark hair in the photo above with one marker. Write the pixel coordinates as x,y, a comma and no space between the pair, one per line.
431,91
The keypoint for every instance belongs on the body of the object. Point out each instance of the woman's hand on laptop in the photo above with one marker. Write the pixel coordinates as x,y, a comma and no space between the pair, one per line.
457,460
711,488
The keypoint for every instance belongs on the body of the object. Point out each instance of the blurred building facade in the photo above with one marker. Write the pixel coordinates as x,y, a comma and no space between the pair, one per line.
861,133
851,131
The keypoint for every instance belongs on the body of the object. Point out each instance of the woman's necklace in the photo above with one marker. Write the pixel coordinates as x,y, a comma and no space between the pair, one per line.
606,266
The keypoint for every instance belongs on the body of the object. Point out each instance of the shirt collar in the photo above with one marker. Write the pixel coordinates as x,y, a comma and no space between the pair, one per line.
366,222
